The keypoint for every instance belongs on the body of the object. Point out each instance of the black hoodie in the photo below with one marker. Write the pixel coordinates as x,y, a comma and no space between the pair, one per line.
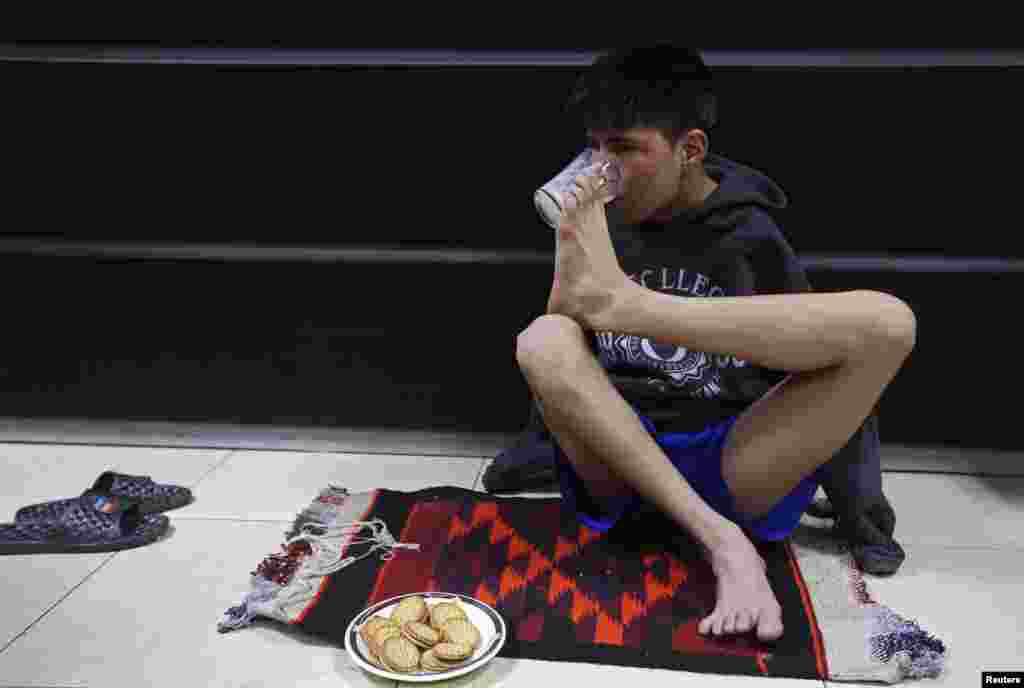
729,246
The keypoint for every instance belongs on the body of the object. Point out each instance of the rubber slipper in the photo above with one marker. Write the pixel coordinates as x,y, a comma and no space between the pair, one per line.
153,497
91,524
139,490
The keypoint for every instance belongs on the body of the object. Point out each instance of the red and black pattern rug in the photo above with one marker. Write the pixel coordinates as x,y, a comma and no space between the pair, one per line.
632,596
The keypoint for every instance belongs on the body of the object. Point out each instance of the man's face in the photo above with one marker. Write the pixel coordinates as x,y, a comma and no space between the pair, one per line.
650,170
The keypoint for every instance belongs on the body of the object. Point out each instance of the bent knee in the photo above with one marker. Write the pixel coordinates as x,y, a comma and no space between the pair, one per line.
549,342
893,325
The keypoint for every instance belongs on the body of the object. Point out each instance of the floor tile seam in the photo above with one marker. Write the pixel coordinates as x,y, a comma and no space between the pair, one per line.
56,604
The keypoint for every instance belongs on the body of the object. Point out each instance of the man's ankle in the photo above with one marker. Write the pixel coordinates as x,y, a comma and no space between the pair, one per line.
721,537
620,301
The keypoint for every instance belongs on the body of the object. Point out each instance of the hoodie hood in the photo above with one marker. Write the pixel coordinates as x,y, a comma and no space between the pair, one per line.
739,188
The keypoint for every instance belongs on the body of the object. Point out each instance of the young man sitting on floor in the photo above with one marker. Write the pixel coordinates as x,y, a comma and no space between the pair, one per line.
683,291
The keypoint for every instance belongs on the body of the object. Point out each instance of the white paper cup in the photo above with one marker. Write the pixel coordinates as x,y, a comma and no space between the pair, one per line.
550,198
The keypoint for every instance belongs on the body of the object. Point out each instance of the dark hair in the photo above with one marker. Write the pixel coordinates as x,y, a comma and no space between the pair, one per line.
661,86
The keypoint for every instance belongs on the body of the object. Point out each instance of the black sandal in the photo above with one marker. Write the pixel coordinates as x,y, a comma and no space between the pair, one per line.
87,524
140,490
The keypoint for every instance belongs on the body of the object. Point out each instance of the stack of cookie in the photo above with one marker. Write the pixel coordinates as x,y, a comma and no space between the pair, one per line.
418,637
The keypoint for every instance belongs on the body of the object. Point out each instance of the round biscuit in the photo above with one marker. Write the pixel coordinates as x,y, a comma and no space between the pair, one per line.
371,625
461,631
430,662
421,634
409,609
418,643
382,635
375,661
444,611
408,636
401,655
452,652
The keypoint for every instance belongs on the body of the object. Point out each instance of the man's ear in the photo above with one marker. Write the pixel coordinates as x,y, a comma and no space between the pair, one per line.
692,146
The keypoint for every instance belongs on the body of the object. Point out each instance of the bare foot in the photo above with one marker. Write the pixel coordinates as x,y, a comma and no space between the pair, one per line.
588,278
745,600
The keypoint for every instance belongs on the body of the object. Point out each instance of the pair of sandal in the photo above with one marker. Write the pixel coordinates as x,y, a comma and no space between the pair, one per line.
118,512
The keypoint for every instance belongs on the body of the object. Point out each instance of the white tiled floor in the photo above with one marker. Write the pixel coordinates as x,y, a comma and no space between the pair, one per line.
148,616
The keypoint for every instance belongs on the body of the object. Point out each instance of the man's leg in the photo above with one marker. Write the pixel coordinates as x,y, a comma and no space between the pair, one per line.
841,350
600,433
614,454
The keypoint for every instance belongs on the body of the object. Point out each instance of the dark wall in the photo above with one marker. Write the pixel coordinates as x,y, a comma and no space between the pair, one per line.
907,161
411,346
885,162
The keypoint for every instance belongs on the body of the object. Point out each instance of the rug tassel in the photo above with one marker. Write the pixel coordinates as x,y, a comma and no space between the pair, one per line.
315,511
243,615
235,618
918,654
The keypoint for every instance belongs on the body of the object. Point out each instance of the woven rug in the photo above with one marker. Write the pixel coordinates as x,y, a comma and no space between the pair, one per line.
631,597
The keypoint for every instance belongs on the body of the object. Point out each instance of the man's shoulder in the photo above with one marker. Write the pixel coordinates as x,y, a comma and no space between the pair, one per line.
758,222
758,233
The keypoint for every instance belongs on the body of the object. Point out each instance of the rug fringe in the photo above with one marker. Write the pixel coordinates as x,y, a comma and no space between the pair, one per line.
864,640
243,615
860,586
318,509
262,589
918,654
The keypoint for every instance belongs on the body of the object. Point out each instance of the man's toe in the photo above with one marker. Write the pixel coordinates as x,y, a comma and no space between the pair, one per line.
718,627
769,627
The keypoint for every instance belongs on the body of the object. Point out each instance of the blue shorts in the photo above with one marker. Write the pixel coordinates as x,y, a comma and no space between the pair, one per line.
698,456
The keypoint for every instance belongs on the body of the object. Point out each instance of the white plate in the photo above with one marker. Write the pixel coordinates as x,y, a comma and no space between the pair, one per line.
484,617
